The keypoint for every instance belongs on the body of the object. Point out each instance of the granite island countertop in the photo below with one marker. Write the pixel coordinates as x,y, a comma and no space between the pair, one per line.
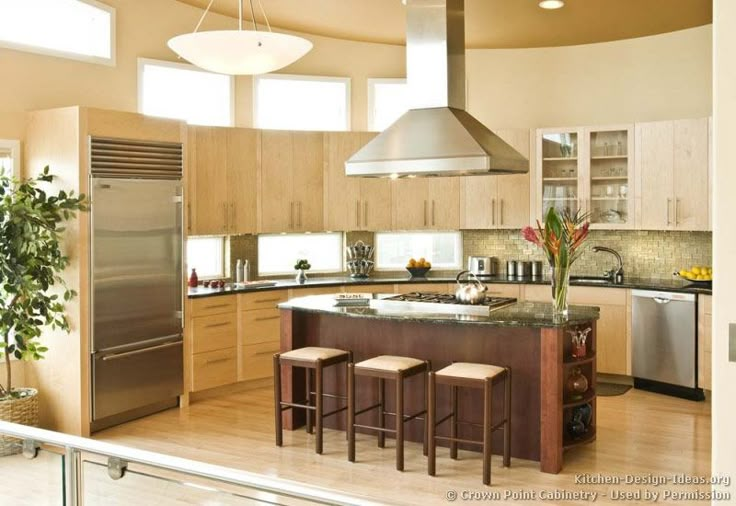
519,314
664,284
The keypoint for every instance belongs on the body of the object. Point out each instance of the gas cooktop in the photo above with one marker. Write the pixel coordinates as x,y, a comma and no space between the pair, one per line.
440,303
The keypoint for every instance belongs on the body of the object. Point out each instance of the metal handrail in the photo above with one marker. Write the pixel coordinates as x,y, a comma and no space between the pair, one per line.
75,444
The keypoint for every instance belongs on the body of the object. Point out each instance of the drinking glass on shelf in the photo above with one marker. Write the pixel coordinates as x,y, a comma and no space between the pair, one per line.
606,149
620,149
609,191
623,190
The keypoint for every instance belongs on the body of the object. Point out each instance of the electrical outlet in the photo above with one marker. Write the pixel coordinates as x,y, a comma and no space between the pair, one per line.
732,342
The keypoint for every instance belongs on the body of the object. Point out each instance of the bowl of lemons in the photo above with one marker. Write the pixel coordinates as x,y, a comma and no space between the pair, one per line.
697,274
418,268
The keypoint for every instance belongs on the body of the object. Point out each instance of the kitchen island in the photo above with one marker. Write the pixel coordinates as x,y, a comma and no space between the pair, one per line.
523,336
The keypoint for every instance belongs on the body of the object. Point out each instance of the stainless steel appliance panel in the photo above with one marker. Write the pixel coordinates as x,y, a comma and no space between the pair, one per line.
664,337
132,379
137,261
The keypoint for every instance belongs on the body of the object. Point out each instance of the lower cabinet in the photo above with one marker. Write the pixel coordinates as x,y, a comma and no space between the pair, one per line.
613,327
212,331
705,317
260,333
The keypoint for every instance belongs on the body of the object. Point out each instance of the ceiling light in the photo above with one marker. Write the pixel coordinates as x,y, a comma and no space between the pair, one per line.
552,4
239,52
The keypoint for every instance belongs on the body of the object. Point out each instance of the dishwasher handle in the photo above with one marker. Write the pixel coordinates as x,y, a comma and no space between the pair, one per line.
661,300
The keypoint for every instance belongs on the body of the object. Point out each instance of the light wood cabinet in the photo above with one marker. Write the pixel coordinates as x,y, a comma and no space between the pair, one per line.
613,335
259,321
222,166
491,202
673,168
353,203
590,169
705,320
211,336
290,185
426,203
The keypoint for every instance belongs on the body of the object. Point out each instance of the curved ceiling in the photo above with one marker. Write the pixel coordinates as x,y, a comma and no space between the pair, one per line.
489,23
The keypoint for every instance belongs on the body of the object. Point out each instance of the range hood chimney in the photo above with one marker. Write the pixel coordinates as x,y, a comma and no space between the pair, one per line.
436,137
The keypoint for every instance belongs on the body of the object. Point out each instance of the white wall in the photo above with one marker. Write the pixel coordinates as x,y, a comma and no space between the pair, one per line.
724,239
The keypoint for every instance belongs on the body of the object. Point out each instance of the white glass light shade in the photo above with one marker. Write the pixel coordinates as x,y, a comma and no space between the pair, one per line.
552,4
240,52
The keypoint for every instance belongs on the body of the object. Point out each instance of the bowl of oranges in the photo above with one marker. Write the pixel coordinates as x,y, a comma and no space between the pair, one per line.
418,268
697,274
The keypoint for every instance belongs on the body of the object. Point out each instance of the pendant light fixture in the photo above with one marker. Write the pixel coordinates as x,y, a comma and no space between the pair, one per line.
239,52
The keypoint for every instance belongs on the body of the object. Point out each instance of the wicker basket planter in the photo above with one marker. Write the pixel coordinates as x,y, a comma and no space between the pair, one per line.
23,410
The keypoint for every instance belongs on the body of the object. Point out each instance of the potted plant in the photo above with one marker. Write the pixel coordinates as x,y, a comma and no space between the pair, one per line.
560,239
301,266
32,291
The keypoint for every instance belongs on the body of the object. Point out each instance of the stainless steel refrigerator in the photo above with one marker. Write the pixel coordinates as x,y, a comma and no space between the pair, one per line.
136,279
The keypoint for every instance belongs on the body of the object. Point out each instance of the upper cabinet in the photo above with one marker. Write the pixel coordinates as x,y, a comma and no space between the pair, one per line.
291,182
221,179
489,202
426,203
353,203
672,161
589,169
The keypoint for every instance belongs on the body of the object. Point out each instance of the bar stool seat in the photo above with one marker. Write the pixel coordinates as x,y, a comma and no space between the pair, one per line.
313,353
309,358
469,370
470,375
394,368
390,363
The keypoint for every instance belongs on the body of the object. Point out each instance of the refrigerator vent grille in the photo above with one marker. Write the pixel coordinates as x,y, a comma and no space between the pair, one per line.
132,158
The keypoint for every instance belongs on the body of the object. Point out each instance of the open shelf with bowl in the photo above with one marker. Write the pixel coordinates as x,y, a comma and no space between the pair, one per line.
579,387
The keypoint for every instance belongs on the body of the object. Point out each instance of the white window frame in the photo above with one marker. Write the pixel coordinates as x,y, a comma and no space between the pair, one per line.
142,62
397,268
14,147
372,96
341,263
111,61
225,256
298,77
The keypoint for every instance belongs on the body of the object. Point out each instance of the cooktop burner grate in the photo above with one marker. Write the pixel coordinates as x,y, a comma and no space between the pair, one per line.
449,299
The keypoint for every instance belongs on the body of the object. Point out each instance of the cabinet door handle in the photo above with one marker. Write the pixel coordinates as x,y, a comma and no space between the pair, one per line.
357,213
669,202
216,360
267,352
433,214
493,211
500,211
365,213
266,318
677,212
425,213
299,214
214,325
261,301
291,214
216,306
189,217
224,215
232,216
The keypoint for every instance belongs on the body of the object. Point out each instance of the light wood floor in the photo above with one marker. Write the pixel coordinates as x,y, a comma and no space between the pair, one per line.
638,433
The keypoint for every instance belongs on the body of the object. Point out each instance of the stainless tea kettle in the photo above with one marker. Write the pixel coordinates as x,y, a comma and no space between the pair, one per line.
470,293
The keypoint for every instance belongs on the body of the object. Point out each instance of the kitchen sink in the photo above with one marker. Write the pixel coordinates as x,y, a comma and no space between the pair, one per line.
591,279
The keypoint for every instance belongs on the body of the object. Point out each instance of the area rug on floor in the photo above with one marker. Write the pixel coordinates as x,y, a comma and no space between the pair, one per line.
610,389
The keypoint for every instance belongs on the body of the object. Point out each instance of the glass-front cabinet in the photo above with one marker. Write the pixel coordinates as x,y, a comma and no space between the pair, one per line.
589,169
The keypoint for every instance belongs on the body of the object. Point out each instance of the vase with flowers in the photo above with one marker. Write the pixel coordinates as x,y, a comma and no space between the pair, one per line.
561,239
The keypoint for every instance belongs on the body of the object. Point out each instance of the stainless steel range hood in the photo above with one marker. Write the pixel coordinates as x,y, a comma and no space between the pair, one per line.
436,137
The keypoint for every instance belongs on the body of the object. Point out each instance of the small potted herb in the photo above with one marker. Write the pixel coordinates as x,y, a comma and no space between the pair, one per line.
302,265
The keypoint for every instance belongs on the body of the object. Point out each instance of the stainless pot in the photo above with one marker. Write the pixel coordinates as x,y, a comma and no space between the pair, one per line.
470,293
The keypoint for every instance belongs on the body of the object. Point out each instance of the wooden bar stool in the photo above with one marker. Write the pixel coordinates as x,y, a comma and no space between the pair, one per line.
463,374
309,358
392,368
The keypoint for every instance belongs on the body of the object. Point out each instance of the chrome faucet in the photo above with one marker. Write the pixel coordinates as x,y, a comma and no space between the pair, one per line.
615,275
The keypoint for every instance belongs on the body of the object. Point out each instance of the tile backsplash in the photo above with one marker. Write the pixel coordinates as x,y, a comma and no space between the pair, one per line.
648,254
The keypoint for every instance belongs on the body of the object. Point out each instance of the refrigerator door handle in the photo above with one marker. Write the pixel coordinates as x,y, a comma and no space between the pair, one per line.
116,356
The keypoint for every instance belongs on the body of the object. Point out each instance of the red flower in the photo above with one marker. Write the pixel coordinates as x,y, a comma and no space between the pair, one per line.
531,235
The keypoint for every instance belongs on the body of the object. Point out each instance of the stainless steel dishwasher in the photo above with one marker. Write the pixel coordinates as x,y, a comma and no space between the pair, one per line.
664,343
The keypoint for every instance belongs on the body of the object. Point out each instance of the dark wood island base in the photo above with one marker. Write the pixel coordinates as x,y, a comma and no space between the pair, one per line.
523,337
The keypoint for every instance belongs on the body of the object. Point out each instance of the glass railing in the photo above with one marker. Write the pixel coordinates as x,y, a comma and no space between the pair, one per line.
44,468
